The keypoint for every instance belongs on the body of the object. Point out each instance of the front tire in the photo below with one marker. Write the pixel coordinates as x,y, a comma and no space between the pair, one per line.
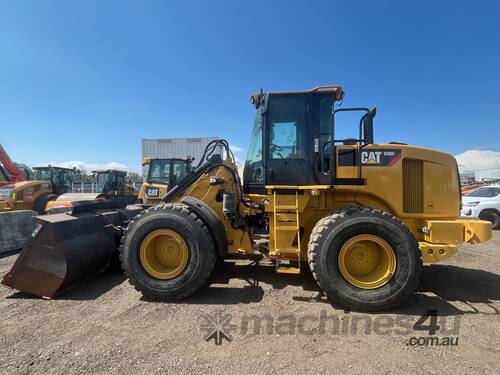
364,259
167,252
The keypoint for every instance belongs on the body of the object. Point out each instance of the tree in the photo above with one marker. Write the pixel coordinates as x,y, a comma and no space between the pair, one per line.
27,171
133,177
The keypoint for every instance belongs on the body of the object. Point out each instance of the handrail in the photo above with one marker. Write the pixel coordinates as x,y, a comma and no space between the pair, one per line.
360,141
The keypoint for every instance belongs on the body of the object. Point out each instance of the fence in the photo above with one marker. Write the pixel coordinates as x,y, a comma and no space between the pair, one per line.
90,187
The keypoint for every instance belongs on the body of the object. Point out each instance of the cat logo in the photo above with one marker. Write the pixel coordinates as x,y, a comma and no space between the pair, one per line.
370,157
152,192
386,157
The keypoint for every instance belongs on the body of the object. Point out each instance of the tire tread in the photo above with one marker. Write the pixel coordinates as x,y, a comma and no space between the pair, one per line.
326,224
186,210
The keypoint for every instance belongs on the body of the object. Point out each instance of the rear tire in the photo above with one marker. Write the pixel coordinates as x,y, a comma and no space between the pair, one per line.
190,230
333,233
491,216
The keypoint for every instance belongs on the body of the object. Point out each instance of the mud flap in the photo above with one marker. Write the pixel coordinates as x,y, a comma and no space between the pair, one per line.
64,249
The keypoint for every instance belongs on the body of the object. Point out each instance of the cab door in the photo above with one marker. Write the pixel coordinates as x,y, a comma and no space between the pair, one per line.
320,126
287,140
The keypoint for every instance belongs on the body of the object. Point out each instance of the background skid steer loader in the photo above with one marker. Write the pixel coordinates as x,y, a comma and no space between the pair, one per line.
354,211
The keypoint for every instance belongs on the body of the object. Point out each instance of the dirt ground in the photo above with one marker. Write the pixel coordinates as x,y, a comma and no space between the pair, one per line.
105,326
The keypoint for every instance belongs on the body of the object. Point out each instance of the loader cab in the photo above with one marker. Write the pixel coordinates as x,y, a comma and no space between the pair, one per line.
168,171
110,182
61,178
293,140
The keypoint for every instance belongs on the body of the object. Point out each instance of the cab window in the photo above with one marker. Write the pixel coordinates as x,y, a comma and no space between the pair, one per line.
179,170
287,127
255,148
102,182
68,180
254,171
42,174
159,171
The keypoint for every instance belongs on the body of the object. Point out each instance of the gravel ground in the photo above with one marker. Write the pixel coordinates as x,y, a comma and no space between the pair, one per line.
105,326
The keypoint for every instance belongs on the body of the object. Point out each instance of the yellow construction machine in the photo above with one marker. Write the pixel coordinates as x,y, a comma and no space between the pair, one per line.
47,184
362,216
110,184
163,174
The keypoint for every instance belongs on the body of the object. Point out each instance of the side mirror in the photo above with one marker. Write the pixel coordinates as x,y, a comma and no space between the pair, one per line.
368,125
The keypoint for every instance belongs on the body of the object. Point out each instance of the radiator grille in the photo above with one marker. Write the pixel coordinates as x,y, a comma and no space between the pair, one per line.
413,186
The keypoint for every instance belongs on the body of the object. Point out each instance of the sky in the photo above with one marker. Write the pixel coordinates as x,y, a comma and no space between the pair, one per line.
86,80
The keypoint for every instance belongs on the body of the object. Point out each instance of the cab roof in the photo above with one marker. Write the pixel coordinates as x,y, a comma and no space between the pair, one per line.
149,159
334,89
53,167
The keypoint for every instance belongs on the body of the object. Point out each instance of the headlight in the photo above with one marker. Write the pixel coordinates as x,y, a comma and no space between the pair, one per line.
471,204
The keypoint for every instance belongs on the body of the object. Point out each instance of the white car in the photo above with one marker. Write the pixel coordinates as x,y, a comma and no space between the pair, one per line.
484,203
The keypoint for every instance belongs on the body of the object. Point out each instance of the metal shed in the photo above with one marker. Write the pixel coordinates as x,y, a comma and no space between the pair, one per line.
175,148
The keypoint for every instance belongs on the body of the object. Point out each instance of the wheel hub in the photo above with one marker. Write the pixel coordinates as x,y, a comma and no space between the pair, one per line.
367,261
163,254
363,258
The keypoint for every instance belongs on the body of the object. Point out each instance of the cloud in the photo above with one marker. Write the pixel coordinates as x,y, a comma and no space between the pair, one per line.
89,167
478,159
236,148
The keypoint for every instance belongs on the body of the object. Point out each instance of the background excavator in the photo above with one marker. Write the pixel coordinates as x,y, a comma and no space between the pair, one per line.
9,172
163,174
362,216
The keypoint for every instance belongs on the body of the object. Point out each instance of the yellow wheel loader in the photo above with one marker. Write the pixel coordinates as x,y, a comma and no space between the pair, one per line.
110,184
362,216
163,174
48,183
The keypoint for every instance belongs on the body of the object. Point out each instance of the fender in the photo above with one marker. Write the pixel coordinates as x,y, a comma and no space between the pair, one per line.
213,222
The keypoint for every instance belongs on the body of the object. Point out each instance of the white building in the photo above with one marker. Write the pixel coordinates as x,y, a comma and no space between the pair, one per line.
166,148
480,175
491,173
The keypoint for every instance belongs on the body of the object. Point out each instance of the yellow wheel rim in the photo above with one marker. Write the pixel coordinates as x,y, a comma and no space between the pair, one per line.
367,261
164,254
